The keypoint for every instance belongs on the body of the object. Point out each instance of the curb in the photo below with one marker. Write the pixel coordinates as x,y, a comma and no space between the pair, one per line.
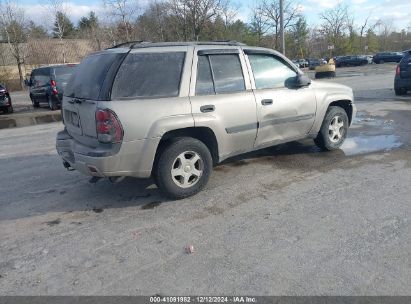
28,119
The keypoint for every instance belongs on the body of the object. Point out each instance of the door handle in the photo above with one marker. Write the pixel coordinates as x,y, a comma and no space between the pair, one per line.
266,102
207,108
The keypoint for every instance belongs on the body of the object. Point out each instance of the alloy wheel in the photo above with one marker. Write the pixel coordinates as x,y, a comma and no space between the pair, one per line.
187,169
336,129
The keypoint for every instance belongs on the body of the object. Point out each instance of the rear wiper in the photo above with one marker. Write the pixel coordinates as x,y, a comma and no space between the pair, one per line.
79,101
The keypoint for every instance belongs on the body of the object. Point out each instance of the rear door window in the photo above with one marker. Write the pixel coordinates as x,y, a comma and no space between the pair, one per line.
219,73
149,75
205,83
89,77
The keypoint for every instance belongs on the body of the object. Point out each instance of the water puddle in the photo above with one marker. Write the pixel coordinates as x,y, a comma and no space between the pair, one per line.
362,119
367,144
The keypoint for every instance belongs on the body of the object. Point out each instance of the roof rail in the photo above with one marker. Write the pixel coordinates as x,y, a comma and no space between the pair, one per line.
129,44
229,42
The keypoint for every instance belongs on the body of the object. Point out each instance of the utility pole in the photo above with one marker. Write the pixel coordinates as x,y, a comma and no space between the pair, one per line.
282,38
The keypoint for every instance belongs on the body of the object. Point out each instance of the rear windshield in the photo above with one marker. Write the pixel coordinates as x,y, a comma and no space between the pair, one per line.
64,73
149,75
88,79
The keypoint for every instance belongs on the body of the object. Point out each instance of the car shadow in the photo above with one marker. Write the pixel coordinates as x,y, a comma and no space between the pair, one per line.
46,187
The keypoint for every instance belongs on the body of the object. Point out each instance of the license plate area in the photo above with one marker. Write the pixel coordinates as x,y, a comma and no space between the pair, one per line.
72,121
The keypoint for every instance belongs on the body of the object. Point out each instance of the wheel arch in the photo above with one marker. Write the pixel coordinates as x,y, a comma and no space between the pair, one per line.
340,100
346,105
203,134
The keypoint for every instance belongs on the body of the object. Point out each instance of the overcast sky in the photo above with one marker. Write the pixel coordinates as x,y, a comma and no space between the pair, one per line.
399,11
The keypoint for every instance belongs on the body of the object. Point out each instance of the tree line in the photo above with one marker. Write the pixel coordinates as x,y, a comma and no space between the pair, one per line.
193,20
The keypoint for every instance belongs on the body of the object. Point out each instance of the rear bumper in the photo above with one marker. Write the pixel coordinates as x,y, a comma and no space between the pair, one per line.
134,158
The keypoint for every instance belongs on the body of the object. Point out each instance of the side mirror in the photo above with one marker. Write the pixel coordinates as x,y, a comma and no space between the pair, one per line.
27,82
302,81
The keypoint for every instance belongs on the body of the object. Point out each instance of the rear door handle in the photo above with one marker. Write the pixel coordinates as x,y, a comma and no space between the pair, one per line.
207,108
266,102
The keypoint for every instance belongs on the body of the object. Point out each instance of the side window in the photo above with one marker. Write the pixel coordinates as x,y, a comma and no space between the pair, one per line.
219,73
145,75
271,72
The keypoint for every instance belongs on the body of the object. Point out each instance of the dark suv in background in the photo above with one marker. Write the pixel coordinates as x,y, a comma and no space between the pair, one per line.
5,100
402,82
351,61
47,84
388,57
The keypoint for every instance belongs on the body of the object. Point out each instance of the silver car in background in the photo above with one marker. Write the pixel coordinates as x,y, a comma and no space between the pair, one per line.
173,110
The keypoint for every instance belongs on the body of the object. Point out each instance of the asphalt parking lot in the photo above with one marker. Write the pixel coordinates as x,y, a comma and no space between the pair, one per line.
288,220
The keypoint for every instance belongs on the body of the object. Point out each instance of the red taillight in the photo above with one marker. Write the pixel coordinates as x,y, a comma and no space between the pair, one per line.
102,115
54,87
109,129
398,70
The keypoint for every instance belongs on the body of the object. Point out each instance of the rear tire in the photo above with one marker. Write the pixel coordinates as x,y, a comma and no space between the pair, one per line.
183,168
400,91
52,104
333,130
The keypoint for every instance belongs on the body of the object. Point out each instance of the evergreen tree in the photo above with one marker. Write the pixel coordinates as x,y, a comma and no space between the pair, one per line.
63,27
88,22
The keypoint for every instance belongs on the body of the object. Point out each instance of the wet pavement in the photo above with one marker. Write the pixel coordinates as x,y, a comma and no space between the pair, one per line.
287,220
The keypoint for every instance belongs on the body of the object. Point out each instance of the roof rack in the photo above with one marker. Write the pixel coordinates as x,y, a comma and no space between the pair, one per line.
143,44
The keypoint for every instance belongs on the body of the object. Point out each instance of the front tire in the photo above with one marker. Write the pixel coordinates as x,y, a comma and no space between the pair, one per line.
34,102
183,168
9,109
333,130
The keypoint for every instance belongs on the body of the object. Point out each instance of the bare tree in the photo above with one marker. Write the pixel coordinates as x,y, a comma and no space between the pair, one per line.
258,24
270,10
123,11
192,15
385,28
335,24
228,12
364,28
154,23
13,28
